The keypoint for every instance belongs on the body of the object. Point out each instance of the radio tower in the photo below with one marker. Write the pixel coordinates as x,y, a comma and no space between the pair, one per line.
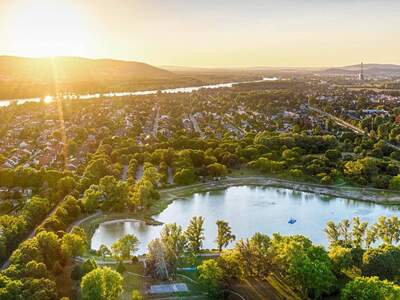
361,75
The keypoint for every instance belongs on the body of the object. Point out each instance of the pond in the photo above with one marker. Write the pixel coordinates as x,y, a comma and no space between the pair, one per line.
249,209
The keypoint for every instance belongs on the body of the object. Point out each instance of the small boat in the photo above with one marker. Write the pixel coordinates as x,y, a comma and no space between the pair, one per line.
292,221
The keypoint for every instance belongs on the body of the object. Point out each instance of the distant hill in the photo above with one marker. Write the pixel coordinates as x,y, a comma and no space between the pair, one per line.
75,69
369,69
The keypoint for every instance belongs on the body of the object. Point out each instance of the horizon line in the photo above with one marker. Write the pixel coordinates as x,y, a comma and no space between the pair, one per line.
166,65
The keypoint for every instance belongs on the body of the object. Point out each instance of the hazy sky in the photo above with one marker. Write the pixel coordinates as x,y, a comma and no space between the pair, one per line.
206,32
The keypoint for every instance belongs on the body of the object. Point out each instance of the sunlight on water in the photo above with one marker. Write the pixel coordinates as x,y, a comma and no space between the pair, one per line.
249,209
49,99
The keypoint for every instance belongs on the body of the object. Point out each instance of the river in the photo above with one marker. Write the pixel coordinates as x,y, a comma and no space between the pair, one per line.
191,89
249,209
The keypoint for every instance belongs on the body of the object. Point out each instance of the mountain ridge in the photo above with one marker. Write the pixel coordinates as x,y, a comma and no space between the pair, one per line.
75,69
368,69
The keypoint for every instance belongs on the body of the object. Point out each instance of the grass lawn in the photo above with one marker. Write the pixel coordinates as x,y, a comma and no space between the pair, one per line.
135,279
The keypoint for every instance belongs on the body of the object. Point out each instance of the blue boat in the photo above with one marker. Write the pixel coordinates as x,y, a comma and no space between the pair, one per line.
292,221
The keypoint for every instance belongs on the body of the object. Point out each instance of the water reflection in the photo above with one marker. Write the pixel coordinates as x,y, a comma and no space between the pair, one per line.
71,96
250,209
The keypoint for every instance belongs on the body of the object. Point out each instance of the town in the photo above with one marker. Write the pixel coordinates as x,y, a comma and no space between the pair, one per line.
69,163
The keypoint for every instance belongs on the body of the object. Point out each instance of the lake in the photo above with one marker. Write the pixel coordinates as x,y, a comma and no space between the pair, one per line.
249,209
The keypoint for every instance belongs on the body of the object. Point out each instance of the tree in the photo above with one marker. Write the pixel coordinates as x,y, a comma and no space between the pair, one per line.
211,278
96,169
255,255
341,258
311,274
136,295
371,236
150,173
10,289
120,267
224,234
217,170
101,284
388,229
36,210
174,242
104,251
125,246
57,268
364,169
156,264
50,246
77,273
88,266
66,185
333,154
345,232
358,232
370,288
305,266
42,288
72,245
132,167
195,234
332,231
143,194
394,183
91,198
80,232
185,176
36,270
383,262
27,251
232,264
115,193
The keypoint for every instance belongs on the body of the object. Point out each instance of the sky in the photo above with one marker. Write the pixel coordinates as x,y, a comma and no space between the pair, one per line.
206,33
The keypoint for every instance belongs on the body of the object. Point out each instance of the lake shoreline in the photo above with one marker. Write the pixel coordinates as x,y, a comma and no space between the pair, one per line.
354,193
169,195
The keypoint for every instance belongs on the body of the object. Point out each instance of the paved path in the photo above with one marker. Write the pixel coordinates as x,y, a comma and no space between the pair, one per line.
80,221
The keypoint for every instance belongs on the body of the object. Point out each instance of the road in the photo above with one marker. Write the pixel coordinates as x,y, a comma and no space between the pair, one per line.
347,125
156,121
337,120
32,234
139,172
124,175
196,126
170,176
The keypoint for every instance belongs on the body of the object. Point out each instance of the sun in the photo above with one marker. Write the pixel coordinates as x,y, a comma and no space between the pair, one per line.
46,28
